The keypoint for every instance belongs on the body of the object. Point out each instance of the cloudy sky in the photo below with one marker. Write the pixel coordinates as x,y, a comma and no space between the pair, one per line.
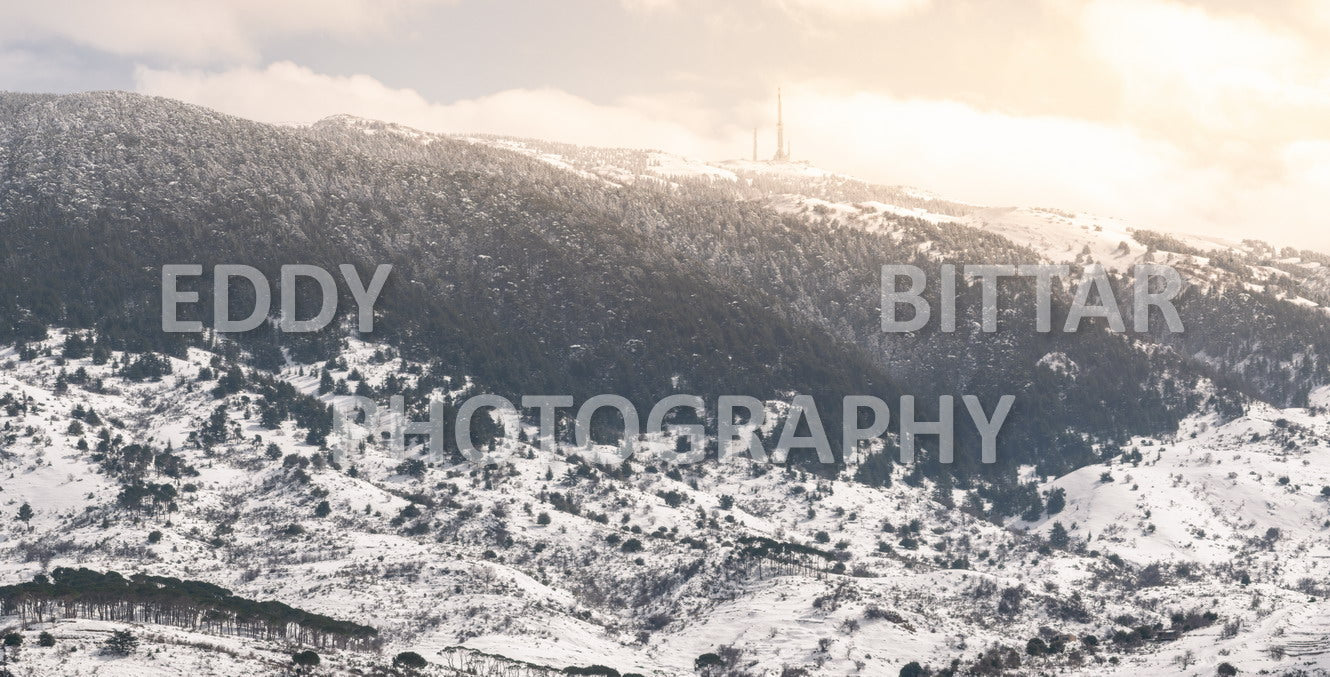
1209,116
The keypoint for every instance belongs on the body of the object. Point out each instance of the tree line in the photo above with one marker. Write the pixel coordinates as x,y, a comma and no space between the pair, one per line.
195,605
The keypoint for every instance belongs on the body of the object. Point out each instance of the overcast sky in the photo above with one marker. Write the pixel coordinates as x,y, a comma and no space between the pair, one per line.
1208,116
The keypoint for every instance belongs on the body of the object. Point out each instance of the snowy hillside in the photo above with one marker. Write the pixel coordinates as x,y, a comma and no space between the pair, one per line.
1158,505
493,558
1055,235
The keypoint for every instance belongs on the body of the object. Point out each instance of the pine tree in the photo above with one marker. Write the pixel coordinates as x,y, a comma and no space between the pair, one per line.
1057,500
75,347
25,513
121,643
1058,536
1035,508
326,384
410,659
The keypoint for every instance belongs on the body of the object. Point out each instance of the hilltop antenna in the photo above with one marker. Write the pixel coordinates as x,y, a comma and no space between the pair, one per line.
755,144
781,153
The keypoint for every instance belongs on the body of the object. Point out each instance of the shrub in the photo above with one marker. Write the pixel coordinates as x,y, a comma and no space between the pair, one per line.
155,536
13,639
1192,620
543,519
307,659
1152,575
1009,603
121,643
45,639
411,467
876,613
913,669
595,670
707,660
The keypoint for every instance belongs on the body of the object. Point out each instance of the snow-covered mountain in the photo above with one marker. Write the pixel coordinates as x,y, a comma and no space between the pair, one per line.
1158,505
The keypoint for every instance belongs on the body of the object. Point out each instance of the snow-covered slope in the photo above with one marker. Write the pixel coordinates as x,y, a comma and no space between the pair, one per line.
1167,554
468,561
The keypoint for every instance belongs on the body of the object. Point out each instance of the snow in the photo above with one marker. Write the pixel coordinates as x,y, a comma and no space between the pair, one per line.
1059,363
1211,493
773,168
674,166
1063,236
484,575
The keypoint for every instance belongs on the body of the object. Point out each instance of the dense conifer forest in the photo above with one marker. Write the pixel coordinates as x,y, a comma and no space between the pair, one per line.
530,278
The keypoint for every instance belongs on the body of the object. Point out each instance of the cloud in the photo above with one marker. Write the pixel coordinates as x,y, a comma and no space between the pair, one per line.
285,92
851,9
193,31
1225,83
798,9
1245,95
20,69
985,156
648,5
990,157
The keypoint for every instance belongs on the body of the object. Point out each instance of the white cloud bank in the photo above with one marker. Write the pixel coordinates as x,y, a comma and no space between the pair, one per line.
801,8
1203,77
216,30
285,93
